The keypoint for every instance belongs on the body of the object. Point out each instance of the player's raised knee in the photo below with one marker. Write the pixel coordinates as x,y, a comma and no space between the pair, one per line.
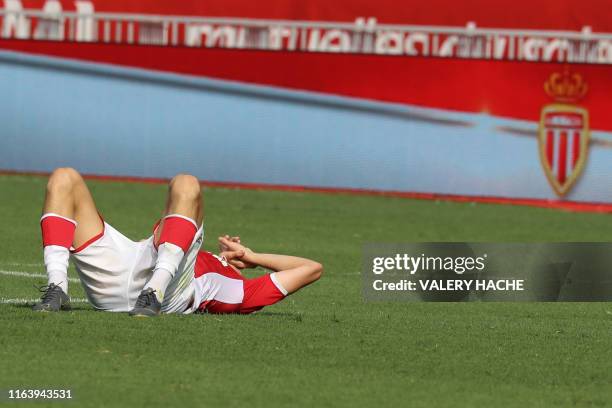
317,271
63,179
185,186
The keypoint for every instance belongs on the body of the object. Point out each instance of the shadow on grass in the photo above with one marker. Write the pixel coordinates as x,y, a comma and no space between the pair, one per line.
297,316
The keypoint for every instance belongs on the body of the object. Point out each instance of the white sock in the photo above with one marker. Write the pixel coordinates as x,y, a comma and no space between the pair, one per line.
56,261
169,257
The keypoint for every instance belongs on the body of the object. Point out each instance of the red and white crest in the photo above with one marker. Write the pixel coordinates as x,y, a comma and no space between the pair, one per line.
564,133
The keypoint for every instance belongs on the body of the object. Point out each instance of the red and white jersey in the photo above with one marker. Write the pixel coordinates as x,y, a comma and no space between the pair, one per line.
219,288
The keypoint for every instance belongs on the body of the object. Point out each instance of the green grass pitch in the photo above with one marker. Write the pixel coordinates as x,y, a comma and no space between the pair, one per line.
323,346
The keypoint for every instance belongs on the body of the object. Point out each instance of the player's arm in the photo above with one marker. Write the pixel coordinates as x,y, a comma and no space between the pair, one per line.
292,272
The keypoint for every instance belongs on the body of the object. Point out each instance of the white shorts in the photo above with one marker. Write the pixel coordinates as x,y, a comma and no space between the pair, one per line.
114,270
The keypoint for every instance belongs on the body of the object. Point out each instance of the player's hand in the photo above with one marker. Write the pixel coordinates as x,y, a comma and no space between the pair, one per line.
235,253
232,257
223,247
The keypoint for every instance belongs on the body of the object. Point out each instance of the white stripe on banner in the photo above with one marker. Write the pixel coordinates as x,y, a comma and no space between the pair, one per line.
557,152
568,155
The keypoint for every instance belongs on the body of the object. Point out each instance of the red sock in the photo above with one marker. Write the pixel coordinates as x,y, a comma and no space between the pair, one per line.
57,230
174,242
178,230
57,236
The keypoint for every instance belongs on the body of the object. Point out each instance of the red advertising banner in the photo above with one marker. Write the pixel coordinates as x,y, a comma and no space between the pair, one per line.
546,64
525,14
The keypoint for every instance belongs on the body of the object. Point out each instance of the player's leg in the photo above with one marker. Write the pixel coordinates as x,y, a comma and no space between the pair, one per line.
173,238
69,218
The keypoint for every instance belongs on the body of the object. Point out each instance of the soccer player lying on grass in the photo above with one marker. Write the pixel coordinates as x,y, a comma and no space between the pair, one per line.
166,273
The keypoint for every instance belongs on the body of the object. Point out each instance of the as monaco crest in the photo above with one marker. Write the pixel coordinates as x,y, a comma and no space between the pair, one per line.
564,131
